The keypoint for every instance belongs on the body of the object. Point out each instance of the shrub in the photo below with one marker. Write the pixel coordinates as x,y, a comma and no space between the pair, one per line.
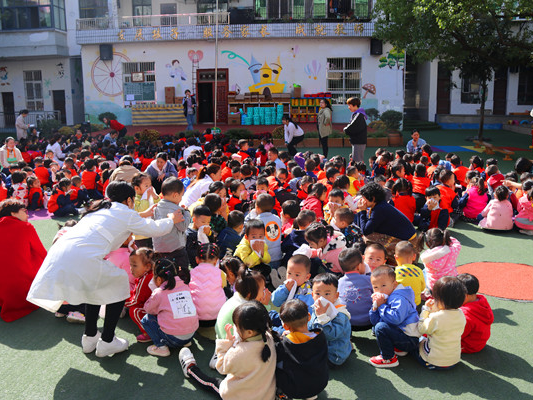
67,130
377,126
48,126
392,119
238,133
372,113
108,115
278,132
149,135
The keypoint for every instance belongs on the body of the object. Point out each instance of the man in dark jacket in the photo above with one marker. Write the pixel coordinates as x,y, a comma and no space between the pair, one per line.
356,129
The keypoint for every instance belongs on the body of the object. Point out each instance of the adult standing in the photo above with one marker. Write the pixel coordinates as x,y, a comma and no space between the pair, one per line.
325,114
356,130
22,256
75,270
117,126
294,134
189,109
21,125
415,144
9,154
207,175
160,169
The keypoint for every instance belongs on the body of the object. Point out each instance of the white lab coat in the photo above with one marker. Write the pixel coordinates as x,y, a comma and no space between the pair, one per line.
192,194
75,270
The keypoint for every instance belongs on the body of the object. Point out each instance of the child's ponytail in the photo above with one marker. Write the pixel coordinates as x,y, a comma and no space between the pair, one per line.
317,231
253,316
166,270
208,251
435,237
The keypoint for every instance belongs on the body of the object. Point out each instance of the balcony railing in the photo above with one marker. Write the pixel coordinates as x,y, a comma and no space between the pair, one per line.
151,20
7,120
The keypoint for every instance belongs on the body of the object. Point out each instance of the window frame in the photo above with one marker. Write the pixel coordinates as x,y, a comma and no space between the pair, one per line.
32,101
30,16
470,96
524,94
340,95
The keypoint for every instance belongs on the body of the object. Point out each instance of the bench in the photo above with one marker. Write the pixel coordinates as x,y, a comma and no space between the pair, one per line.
491,149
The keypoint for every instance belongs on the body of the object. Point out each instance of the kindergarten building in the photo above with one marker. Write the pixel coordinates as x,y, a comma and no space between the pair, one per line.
74,60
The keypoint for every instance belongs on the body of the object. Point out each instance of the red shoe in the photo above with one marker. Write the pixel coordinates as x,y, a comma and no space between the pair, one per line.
400,353
143,338
379,362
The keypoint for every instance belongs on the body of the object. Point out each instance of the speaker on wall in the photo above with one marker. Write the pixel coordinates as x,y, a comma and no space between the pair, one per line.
106,52
376,47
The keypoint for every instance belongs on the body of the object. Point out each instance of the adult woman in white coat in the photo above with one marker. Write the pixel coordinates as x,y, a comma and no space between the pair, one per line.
75,270
21,125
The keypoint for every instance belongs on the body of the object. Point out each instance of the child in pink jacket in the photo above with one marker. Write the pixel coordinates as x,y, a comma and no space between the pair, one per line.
441,257
207,284
498,214
524,219
326,244
171,318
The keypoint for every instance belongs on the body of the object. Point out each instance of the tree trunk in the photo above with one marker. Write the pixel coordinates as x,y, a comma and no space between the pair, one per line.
482,110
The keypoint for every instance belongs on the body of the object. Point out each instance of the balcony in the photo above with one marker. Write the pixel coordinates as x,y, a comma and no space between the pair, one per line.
183,27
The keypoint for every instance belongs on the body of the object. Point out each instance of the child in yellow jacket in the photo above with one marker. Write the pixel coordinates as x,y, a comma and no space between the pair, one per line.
253,249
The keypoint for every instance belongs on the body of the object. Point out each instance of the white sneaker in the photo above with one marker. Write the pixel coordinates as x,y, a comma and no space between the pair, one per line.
213,361
526,232
275,278
282,272
186,360
76,317
59,315
88,343
108,349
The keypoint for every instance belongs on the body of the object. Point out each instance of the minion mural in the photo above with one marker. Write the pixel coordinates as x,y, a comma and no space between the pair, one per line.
264,76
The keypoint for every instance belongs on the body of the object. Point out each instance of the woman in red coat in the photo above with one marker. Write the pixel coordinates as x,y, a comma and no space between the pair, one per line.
114,124
23,254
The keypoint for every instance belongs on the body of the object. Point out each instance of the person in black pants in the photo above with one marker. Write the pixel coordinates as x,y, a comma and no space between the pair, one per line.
294,134
324,124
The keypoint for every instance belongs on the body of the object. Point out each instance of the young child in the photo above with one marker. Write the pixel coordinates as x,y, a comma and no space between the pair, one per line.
316,195
172,245
19,188
238,194
145,197
171,319
355,289
332,317
297,286
494,177
432,215
442,322
141,264
394,317
407,273
357,179
326,244
375,255
449,199
198,233
344,223
402,198
35,193
207,284
41,172
60,204
78,195
302,355
229,238
230,266
474,199
459,170
335,201
478,314
441,257
90,179
121,258
249,362
498,214
524,218
289,211
253,249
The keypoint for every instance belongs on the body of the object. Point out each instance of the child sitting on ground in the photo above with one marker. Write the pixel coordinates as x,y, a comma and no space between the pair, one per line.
230,266
249,361
394,317
289,212
442,322
474,199
407,273
19,188
332,317
375,255
35,193
441,257
302,355
402,198
141,264
494,177
60,204
171,318
524,218
229,238
198,233
478,314
324,243
498,214
207,284
253,249
432,215
172,245
335,201
355,289
344,223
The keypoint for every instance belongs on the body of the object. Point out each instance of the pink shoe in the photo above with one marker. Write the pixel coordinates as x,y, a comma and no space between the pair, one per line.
162,351
143,338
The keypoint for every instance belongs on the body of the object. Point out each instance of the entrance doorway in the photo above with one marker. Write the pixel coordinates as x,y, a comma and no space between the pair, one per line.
443,90
205,95
9,109
58,99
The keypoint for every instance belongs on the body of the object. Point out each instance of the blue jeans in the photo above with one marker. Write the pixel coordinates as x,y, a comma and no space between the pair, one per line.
190,122
160,338
390,337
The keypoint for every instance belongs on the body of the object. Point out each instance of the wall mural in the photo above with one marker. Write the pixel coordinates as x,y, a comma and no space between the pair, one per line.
3,77
106,75
394,59
264,76
313,69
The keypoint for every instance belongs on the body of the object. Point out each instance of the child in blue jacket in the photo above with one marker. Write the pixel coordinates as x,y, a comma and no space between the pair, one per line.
332,317
394,317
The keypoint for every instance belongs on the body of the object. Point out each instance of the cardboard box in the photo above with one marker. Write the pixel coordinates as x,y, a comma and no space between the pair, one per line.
234,119
170,91
233,109
169,99
297,92
178,100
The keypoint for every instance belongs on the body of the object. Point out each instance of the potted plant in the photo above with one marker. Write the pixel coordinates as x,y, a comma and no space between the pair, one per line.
377,134
336,139
278,136
311,139
392,120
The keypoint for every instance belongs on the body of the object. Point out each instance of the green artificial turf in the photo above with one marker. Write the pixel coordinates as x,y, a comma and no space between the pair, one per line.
41,355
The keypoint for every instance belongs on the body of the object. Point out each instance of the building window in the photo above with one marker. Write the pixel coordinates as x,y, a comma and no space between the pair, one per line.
208,6
93,8
142,8
31,14
344,78
525,86
470,90
306,9
33,86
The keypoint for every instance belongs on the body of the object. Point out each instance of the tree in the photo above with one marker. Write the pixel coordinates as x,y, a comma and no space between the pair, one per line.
474,36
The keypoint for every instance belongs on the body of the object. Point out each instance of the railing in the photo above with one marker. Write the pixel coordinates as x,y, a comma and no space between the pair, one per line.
151,20
286,10
7,120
